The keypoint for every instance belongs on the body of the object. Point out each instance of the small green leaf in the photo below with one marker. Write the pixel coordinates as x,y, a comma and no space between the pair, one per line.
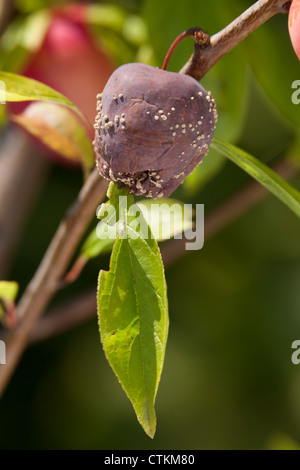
8,290
263,174
164,224
167,218
95,246
59,129
8,293
19,88
133,317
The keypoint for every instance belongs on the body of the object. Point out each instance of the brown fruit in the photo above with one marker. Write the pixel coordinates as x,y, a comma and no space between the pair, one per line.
152,129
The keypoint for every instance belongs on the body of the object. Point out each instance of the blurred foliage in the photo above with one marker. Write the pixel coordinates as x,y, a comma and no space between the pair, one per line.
59,129
282,442
228,380
23,37
123,34
289,195
8,290
33,5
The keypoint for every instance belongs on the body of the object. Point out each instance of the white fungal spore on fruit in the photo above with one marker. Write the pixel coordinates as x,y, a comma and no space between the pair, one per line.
146,151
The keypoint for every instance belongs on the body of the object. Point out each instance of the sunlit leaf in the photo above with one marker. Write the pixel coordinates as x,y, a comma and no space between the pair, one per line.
133,316
263,174
58,128
8,293
19,88
164,224
95,246
8,290
167,218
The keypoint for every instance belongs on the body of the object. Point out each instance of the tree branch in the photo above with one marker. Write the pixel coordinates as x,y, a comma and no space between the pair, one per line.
46,280
66,316
204,58
6,11
83,307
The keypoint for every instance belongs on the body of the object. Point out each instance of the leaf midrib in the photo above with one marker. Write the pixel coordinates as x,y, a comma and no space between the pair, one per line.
140,333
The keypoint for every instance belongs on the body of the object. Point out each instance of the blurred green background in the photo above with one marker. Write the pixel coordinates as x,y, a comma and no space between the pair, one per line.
228,380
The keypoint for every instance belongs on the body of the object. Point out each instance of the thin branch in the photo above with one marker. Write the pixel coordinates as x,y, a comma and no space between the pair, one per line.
185,34
66,316
204,58
6,11
47,278
83,308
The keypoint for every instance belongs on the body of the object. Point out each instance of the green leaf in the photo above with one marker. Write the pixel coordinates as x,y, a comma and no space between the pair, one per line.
19,88
95,246
133,315
166,218
8,293
99,241
8,290
263,174
163,225
59,129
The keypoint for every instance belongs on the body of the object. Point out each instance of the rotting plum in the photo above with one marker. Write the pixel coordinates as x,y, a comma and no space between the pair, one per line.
153,128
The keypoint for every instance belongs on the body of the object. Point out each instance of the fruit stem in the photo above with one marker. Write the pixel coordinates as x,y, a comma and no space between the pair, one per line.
200,37
204,58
